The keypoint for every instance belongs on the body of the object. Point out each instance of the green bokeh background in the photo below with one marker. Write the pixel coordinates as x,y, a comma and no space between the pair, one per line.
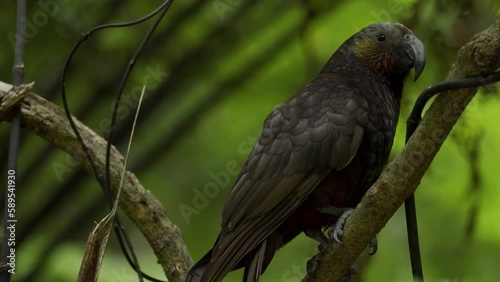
231,62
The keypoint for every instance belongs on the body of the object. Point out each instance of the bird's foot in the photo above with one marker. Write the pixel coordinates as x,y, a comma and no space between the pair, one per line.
318,236
352,270
313,264
335,234
373,246
337,231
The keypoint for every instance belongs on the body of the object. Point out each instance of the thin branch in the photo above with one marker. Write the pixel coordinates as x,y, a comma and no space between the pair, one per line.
49,122
402,176
413,241
8,261
473,156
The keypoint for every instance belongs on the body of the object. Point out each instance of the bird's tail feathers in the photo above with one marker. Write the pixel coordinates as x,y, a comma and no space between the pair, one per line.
196,272
254,267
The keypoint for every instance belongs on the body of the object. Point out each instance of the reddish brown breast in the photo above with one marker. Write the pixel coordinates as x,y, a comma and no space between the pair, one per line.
339,189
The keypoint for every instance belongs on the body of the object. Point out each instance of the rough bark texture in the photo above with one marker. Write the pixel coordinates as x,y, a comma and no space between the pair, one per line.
49,122
402,176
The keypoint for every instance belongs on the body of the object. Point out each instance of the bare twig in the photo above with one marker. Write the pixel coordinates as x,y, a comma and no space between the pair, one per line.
473,156
94,250
8,259
14,96
98,238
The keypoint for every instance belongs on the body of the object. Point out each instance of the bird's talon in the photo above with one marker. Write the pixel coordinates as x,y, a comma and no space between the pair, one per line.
312,266
337,231
352,270
373,245
322,247
336,235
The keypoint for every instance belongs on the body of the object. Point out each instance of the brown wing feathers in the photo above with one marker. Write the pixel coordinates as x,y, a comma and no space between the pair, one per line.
289,160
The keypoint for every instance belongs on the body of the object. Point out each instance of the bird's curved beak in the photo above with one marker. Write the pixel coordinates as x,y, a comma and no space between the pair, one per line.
415,50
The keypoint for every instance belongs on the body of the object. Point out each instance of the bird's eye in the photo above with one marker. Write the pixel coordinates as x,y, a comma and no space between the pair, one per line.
381,37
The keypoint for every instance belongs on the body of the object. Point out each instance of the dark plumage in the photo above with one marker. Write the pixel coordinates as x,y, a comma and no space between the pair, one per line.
324,147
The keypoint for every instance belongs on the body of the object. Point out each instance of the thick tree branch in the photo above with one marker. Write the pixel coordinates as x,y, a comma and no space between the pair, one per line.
49,122
402,176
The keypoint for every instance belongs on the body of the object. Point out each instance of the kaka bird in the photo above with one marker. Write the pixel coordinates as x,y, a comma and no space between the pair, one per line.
317,153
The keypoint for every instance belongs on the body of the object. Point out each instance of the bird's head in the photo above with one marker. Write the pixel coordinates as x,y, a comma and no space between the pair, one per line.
389,49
